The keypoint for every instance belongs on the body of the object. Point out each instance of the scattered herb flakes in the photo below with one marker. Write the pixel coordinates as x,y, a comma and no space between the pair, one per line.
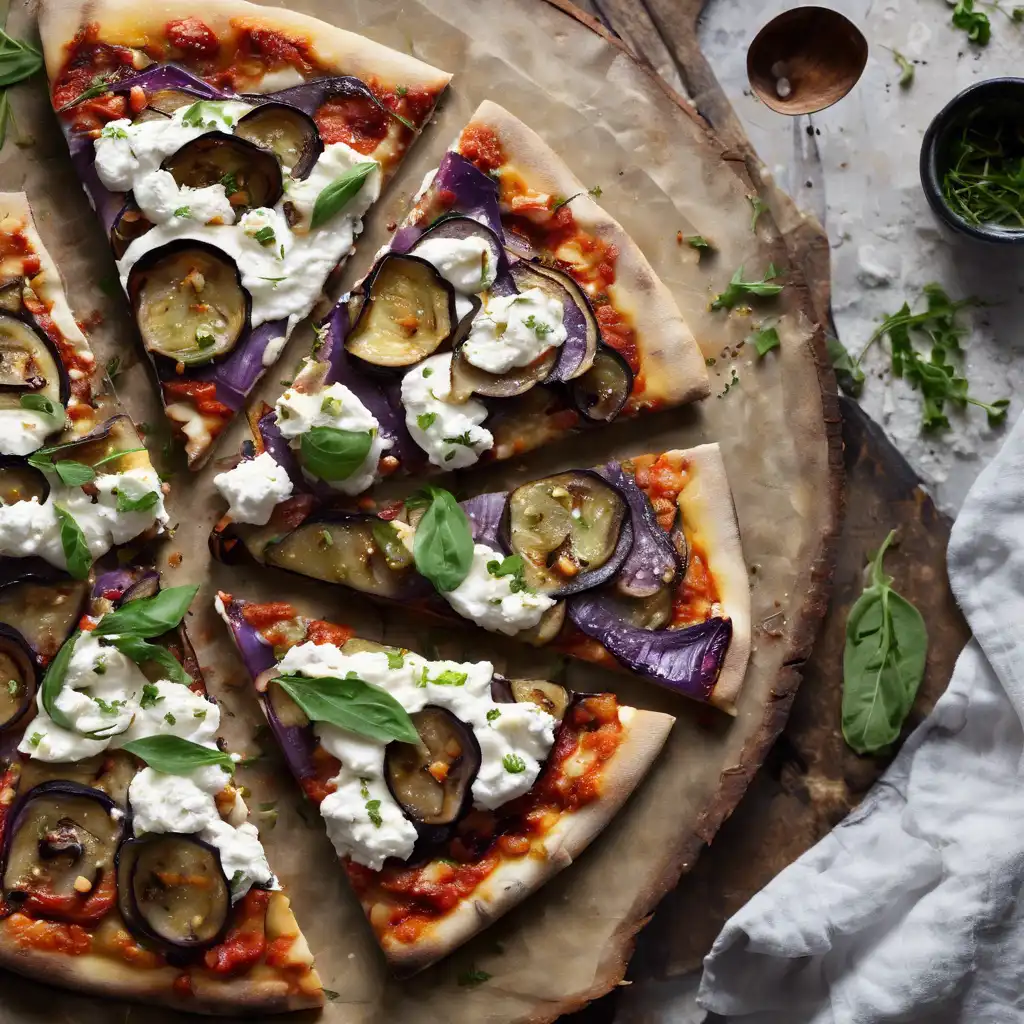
758,206
733,380
373,813
738,289
698,242
765,340
513,764
330,995
473,977
906,69
974,23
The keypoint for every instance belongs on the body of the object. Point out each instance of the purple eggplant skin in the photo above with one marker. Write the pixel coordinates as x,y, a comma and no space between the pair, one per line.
687,660
29,323
15,648
312,146
594,401
458,226
257,655
486,513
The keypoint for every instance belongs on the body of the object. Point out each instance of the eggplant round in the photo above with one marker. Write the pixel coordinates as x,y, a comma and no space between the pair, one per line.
251,175
547,629
572,530
29,364
131,223
549,697
407,315
188,301
61,842
172,891
44,610
601,392
18,676
20,481
650,613
167,101
432,780
287,132
459,227
467,379
150,114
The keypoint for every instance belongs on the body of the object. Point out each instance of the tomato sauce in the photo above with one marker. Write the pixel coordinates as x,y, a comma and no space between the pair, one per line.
49,936
481,145
246,941
69,355
262,615
75,908
320,632
86,60
355,120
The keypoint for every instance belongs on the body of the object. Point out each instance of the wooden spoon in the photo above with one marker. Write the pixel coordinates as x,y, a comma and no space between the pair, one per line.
805,60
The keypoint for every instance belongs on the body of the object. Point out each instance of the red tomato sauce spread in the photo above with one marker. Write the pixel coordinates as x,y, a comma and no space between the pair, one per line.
201,396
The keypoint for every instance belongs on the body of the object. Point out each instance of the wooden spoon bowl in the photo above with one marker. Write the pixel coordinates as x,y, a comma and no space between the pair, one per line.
805,60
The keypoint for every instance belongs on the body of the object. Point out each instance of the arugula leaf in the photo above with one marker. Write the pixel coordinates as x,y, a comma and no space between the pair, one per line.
906,69
765,340
849,375
173,755
738,289
141,652
351,704
883,662
74,474
334,454
53,681
73,542
758,207
340,191
42,404
443,545
974,23
140,504
148,617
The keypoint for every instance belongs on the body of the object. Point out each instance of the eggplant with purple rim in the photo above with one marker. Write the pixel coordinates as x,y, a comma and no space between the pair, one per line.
467,379
59,851
456,226
172,891
188,302
572,530
19,675
30,365
251,175
601,392
407,314
131,223
44,606
20,481
287,132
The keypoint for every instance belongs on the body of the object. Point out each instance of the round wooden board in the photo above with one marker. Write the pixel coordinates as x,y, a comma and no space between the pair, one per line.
662,172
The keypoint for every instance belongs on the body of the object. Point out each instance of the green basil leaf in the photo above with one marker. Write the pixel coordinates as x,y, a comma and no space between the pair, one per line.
141,504
72,540
53,681
333,454
44,405
74,474
336,196
351,704
765,340
173,755
883,662
148,616
443,545
140,652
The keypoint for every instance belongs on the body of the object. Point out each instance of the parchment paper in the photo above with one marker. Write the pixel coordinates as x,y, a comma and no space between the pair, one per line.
660,174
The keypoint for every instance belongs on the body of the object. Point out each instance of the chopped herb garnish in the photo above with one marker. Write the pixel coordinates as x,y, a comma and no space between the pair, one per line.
765,340
150,696
265,236
12,686
183,211
230,183
468,979
35,739
449,677
427,371
199,713
396,659
462,439
698,242
205,340
170,719
373,812
364,790
141,504
330,406
738,288
493,715
325,539
906,69
541,329
401,90
425,420
513,764
109,707
113,366
113,131
513,566
99,666
320,332
758,206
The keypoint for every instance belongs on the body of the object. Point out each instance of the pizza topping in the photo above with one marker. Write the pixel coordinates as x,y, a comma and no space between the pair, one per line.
602,391
549,697
17,676
192,36
43,612
515,331
572,531
287,132
250,176
131,223
467,254
253,488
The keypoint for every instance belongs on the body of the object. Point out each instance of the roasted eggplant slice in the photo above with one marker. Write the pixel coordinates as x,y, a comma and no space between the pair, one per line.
18,676
654,612
21,482
549,697
464,227
167,101
251,176
547,629
408,313
432,780
287,132
131,223
43,613
172,891
468,379
59,848
188,301
572,531
601,392
29,364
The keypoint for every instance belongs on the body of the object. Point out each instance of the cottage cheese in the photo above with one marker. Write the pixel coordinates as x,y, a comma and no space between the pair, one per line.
253,488
513,330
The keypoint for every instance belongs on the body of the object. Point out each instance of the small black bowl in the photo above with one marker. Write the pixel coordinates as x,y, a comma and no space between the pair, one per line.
996,99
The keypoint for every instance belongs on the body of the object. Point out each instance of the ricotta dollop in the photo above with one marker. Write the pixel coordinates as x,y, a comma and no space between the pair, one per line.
22,431
513,330
253,488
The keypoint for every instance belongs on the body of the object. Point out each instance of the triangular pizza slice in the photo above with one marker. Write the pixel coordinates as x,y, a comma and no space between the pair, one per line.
230,152
449,792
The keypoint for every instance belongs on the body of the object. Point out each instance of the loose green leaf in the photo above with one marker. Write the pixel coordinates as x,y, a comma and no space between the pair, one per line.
472,978
511,565
373,812
765,340
18,60
698,242
883,662
173,755
906,69
73,542
53,681
74,474
443,546
141,652
336,196
143,503
974,23
334,454
849,375
150,696
513,764
758,206
351,704
148,617
425,419
739,289
44,405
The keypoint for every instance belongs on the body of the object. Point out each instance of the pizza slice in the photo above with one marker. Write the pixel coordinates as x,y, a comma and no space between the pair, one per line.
75,478
635,565
230,152
508,310
128,867
449,793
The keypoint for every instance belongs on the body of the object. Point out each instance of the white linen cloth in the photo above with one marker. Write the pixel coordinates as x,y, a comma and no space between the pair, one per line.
909,910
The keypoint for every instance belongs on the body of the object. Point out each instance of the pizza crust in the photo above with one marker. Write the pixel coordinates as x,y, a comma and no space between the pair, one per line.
671,362
513,880
130,23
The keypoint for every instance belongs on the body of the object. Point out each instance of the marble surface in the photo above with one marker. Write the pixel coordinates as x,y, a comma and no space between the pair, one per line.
863,183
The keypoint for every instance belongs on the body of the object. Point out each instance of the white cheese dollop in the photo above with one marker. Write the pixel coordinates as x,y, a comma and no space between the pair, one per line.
22,431
442,428
465,263
363,820
335,406
513,330
253,488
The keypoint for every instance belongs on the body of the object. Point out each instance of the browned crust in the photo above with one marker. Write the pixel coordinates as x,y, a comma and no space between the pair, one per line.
512,881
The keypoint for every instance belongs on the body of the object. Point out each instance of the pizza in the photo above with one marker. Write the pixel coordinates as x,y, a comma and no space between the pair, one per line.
75,478
230,152
636,565
128,866
508,310
449,793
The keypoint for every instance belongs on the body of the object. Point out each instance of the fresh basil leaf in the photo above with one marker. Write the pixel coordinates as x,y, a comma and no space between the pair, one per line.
143,503
334,454
351,704
336,196
53,681
443,545
883,662
765,340
44,405
173,755
72,540
148,616
140,652
74,474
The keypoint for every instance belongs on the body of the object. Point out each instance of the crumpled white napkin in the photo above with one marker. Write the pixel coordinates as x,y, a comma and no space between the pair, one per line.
908,910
